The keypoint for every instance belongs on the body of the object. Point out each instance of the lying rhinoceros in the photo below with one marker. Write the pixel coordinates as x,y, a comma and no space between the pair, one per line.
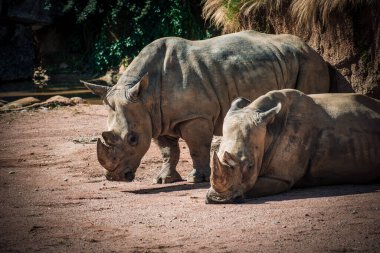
177,88
286,138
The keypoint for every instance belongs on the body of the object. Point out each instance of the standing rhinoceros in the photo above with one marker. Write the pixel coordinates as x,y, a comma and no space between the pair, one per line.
286,138
176,88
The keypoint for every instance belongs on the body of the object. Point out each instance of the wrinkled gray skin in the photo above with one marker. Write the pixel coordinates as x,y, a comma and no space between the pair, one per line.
286,138
177,88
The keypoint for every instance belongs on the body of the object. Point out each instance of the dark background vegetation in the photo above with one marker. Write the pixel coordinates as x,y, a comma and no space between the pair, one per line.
102,34
91,36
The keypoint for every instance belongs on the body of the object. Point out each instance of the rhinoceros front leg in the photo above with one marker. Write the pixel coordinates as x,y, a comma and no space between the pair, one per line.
198,136
170,153
265,186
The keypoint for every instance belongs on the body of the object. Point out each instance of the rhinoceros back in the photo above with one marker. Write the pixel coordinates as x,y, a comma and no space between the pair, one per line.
348,144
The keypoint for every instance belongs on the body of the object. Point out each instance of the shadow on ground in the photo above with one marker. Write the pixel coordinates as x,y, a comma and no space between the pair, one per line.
171,188
317,192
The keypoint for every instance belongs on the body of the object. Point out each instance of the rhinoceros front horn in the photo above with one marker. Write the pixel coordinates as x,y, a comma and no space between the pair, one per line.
217,168
99,90
104,158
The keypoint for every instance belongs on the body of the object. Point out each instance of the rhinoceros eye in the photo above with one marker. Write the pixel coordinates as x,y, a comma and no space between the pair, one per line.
132,139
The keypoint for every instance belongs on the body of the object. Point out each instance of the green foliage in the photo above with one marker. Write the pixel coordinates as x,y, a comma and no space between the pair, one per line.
121,28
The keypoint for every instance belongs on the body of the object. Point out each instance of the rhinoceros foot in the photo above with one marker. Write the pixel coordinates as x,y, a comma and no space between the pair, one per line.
198,176
166,176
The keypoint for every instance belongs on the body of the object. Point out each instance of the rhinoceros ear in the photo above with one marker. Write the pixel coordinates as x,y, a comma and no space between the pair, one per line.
134,93
99,90
268,116
239,103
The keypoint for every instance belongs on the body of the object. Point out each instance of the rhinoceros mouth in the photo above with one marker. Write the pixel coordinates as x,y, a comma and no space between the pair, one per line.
129,176
126,175
213,197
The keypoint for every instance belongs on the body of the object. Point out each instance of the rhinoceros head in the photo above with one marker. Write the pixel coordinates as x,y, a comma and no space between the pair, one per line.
237,164
129,129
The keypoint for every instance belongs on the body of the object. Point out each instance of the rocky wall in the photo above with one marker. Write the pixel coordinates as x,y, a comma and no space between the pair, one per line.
350,42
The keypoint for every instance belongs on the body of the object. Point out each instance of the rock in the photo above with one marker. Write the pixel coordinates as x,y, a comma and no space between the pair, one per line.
18,21
59,100
3,102
77,100
33,103
27,11
20,103
16,52
353,67
86,140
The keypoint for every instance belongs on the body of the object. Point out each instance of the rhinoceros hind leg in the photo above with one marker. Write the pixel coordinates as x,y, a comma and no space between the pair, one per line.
170,153
198,135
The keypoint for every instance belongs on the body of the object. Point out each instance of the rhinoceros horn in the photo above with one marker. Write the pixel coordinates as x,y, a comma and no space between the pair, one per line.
218,166
104,155
99,90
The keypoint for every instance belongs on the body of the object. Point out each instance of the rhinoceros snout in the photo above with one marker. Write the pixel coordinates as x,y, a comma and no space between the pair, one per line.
127,176
237,200
211,198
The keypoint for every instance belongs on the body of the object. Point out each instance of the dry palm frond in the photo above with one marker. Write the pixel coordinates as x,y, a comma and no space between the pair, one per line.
251,7
310,12
232,15
223,13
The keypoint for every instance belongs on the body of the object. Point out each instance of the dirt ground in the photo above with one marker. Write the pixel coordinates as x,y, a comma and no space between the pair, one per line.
54,198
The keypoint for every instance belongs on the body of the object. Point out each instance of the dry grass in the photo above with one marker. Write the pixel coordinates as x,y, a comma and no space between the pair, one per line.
222,13
309,12
235,15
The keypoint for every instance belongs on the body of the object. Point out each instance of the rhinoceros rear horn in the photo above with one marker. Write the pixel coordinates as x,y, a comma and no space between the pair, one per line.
103,153
96,89
239,103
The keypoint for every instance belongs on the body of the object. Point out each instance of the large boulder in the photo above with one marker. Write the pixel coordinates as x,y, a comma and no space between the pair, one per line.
26,11
20,103
17,52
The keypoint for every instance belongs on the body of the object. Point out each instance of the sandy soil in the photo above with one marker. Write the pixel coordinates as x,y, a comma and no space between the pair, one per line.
54,198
